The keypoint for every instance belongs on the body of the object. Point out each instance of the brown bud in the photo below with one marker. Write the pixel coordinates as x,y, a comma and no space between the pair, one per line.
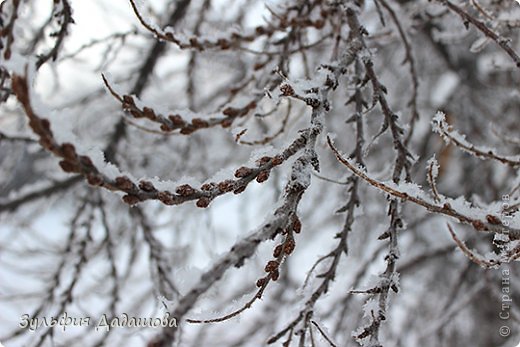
185,190
297,225
166,198
208,186
258,66
231,112
225,186
203,202
226,123
239,190
45,142
277,160
287,90
199,123
149,113
68,166
223,43
194,42
264,160
69,151
46,125
130,199
243,172
124,183
165,128
94,179
146,186
275,275
176,120
493,219
86,161
136,114
261,282
478,225
128,101
288,246
188,129
262,176
277,251
312,102
260,30
271,266
319,24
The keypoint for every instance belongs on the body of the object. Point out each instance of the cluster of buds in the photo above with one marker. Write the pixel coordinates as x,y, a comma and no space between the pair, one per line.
74,163
176,121
287,90
145,190
281,251
262,171
281,22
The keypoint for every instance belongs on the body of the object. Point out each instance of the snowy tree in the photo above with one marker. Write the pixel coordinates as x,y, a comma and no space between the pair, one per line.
249,173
